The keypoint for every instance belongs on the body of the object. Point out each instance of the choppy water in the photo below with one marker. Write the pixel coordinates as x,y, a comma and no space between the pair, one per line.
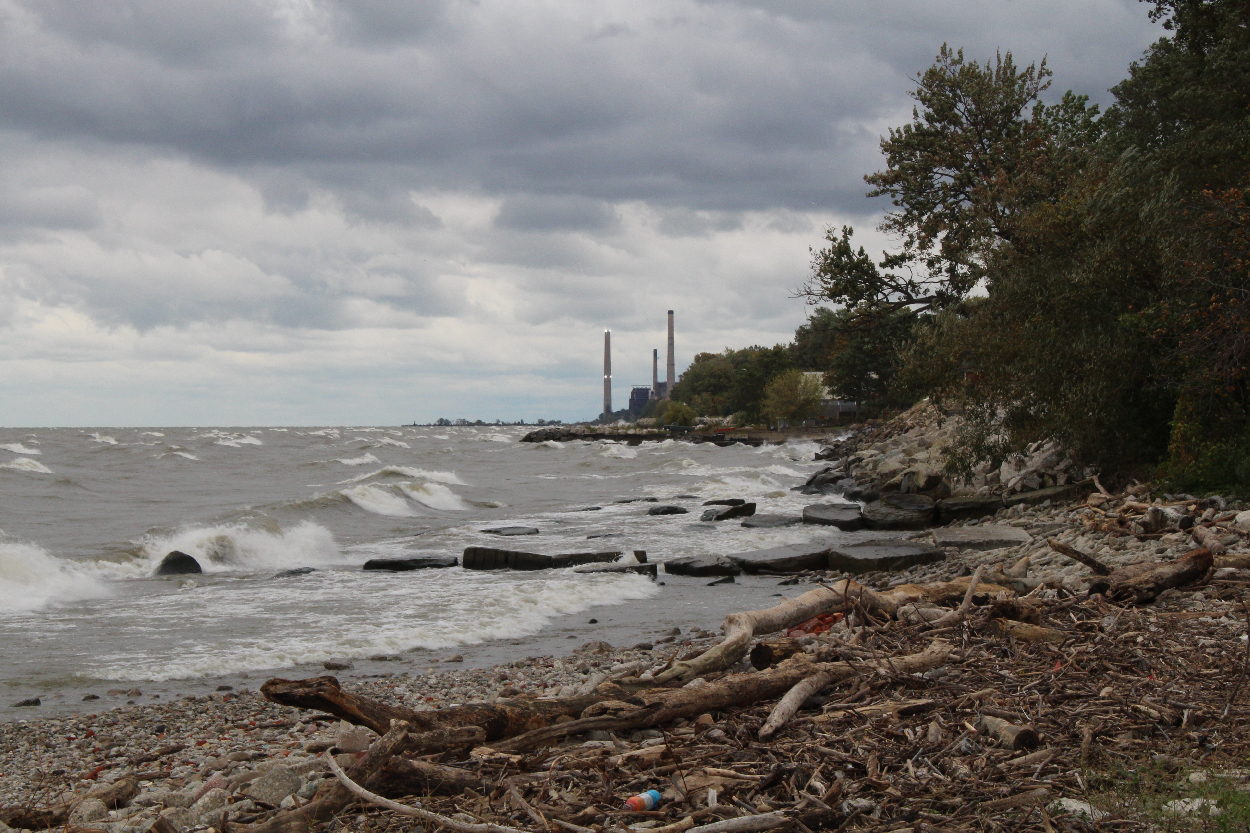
85,517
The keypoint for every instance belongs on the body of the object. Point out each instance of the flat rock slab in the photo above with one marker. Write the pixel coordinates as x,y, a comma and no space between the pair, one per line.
845,516
730,501
789,559
642,569
988,537
668,510
701,565
742,510
489,558
403,565
770,521
867,556
953,509
509,531
899,512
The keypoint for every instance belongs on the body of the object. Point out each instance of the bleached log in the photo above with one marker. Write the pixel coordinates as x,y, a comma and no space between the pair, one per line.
1210,539
793,700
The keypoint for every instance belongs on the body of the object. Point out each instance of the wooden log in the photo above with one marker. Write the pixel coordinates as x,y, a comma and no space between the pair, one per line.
793,700
1011,735
769,652
1238,561
1076,555
1142,583
1210,539
495,720
400,776
1025,632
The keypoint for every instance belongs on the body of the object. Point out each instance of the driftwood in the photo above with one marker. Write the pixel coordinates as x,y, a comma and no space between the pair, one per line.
1076,555
332,796
741,628
1209,539
1011,735
1142,583
1024,631
769,652
404,776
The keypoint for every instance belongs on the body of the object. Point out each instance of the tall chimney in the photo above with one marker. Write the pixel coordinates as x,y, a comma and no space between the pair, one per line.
607,375
655,374
672,359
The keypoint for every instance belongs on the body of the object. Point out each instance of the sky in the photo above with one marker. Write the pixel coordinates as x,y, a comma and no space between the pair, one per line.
325,212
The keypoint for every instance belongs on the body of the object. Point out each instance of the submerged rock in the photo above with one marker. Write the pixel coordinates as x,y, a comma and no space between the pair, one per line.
701,565
178,563
667,510
489,558
508,531
770,521
741,510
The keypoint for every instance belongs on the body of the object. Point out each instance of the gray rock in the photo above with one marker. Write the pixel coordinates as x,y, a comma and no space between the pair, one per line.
953,509
881,555
179,817
29,701
741,510
770,521
730,501
402,565
701,565
352,738
823,481
178,563
508,531
845,516
789,559
489,558
987,537
89,810
298,571
899,512
209,808
667,510
276,784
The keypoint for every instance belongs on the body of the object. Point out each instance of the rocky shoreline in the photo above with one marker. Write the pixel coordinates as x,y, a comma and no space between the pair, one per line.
233,758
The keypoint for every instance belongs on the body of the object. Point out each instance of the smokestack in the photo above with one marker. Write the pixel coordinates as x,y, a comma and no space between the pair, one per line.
655,374
607,374
672,359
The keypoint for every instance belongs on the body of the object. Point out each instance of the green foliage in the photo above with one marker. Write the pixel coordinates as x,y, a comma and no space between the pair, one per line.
720,384
1142,794
816,341
792,395
867,355
678,413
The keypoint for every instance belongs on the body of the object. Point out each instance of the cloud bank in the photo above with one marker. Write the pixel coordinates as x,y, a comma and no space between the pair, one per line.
306,211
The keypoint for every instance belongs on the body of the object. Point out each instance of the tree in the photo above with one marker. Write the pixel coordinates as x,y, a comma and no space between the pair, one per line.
867,354
972,162
792,394
732,381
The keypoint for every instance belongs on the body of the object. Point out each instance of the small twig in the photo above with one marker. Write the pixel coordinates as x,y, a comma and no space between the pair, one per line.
1076,555
958,615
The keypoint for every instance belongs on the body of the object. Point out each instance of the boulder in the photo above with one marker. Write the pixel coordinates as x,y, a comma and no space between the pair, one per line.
769,521
509,531
29,701
209,807
1243,520
89,810
352,738
642,569
845,516
899,512
742,510
667,510
275,784
793,558
868,556
178,563
701,565
490,558
729,501
987,537
854,490
822,482
403,565
953,509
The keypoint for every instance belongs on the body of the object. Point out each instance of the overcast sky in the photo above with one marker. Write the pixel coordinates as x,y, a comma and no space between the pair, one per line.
248,212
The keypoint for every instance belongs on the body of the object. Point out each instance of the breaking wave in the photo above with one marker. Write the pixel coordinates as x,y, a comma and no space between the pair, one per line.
31,578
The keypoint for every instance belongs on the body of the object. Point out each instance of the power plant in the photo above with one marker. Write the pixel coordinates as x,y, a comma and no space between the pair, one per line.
640,395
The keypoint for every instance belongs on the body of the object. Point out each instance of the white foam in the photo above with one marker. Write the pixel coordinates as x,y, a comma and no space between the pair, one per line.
26,464
496,438
391,616
102,438
448,477
234,548
620,452
389,441
151,434
31,578
360,461
324,432
434,495
186,454
379,501
549,444
18,448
